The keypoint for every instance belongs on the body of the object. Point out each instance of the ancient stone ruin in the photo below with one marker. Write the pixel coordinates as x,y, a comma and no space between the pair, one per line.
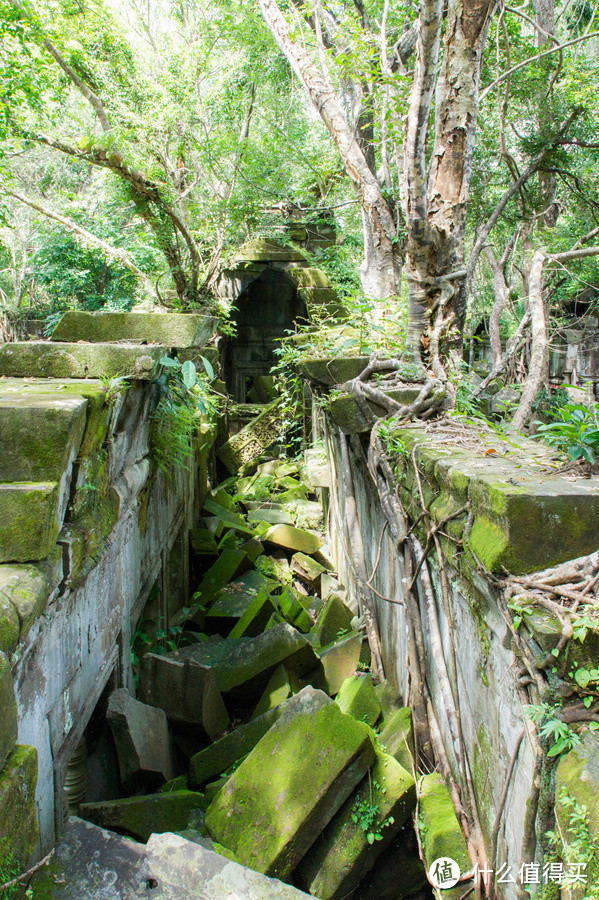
211,682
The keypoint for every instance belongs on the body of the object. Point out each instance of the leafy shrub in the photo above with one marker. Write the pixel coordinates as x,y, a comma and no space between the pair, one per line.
576,431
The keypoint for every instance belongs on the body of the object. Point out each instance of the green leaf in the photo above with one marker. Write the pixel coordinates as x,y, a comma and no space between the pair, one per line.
587,701
582,677
169,363
189,374
209,367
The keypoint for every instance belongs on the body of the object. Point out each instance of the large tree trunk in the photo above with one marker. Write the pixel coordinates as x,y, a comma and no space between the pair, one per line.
437,205
382,267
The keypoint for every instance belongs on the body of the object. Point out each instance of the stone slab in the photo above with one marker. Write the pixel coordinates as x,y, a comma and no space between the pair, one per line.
39,435
337,662
294,539
397,736
348,416
290,786
42,359
357,698
189,871
168,329
334,620
224,753
27,590
343,854
28,526
18,820
253,440
185,690
329,371
143,741
139,817
243,666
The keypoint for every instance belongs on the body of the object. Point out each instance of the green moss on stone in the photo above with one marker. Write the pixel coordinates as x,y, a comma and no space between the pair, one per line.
440,831
357,698
18,822
8,711
28,527
139,817
288,789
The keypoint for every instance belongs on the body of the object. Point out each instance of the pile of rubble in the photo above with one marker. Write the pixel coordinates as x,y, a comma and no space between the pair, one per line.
236,735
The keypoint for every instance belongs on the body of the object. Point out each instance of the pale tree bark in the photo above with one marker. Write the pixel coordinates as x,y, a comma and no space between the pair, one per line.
382,244
437,205
537,371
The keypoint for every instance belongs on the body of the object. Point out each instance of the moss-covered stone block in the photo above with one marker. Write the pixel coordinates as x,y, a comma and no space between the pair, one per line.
28,526
329,371
440,830
224,753
343,854
9,626
288,789
18,823
282,684
348,416
39,435
169,329
295,539
243,666
397,736
253,620
253,440
139,817
27,590
334,620
41,359
8,711
338,661
263,250
577,776
357,698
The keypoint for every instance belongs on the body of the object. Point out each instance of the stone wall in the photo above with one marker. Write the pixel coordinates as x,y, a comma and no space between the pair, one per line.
519,517
88,527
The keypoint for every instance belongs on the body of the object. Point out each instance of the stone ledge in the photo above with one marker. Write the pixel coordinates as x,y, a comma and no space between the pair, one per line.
525,517
28,526
168,329
42,359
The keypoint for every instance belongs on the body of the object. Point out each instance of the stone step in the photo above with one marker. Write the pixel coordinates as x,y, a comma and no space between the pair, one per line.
43,359
168,329
39,435
28,520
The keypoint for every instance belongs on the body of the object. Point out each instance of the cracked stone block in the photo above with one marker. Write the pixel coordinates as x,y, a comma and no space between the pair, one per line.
288,789
143,741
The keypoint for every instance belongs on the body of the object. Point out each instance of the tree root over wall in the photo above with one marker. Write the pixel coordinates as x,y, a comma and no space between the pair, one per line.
564,591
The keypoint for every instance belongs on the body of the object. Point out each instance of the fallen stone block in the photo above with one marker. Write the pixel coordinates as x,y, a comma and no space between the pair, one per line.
28,525
397,736
9,625
337,662
347,415
203,542
139,817
243,666
180,783
293,539
388,697
18,822
185,690
41,359
272,516
294,609
169,329
143,741
330,584
333,370
189,871
308,569
316,468
334,620
256,438
290,786
8,711
357,698
307,514
233,600
281,685
90,863
440,831
350,844
224,753
255,618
